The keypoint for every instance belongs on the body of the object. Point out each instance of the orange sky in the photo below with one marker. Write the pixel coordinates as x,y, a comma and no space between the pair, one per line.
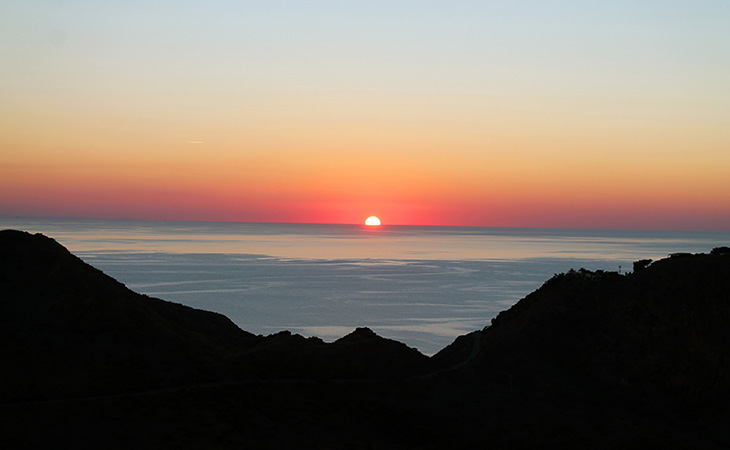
507,115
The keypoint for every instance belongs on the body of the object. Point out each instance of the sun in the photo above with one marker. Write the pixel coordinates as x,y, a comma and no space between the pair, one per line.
372,221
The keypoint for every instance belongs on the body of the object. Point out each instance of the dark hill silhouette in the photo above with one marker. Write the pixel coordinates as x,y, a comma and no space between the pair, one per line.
662,331
360,355
589,360
68,329
639,360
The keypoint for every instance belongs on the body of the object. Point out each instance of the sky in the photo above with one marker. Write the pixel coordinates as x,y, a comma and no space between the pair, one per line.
485,113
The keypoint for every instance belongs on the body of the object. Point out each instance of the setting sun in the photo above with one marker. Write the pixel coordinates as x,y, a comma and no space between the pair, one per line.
372,221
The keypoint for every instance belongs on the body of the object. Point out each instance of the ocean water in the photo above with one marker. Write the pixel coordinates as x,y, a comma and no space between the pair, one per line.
420,285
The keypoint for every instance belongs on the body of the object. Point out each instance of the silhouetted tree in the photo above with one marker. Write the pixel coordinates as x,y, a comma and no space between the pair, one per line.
641,264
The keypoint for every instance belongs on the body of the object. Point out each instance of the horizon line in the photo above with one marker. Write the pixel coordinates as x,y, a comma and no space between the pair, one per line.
133,219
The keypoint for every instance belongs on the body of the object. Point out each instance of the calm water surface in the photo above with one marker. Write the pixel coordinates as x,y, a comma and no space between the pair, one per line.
421,285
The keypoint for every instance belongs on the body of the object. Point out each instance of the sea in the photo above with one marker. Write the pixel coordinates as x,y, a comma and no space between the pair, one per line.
421,285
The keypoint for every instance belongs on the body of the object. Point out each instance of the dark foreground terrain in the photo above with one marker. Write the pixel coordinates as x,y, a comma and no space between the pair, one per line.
591,360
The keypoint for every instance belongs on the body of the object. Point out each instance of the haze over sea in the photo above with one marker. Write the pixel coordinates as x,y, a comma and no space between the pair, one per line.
418,284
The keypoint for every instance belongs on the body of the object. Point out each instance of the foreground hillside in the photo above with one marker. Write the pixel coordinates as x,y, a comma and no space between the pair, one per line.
70,330
589,360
